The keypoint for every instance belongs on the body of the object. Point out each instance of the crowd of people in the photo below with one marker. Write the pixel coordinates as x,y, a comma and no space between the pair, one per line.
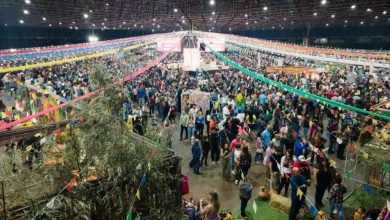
247,123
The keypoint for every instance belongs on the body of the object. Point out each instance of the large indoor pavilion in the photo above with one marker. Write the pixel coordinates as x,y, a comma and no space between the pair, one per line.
194,109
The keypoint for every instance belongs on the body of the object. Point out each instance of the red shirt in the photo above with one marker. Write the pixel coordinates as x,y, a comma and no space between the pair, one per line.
234,144
302,167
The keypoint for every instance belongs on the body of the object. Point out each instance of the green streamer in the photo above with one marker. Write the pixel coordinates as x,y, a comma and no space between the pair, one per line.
294,90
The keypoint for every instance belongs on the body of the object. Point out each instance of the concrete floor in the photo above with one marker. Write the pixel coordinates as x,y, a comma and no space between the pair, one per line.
211,178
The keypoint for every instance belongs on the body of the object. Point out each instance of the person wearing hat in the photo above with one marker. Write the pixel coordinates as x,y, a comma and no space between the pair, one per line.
303,167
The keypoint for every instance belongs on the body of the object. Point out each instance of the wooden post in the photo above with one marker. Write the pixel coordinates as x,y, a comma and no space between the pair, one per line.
3,198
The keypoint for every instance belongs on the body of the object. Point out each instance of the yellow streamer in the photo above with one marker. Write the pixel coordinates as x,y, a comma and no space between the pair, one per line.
365,155
59,62
138,195
299,193
332,163
149,166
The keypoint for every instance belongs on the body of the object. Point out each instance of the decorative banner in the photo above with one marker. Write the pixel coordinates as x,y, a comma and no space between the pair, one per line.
367,188
143,180
299,193
332,163
149,166
365,155
313,211
254,206
139,167
50,204
29,148
348,175
70,185
138,194
385,167
290,89
351,149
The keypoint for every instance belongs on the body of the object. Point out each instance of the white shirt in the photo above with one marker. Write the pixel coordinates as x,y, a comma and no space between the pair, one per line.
241,117
225,112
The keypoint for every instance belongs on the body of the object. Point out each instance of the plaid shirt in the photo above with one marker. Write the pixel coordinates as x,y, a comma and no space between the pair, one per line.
336,193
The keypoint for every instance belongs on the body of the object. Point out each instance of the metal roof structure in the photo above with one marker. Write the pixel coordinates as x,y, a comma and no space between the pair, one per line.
204,15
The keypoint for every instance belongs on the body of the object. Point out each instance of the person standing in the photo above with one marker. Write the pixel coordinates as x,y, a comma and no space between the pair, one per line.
199,123
211,210
214,141
245,195
196,156
191,125
336,197
323,180
285,171
245,162
275,167
225,157
266,136
297,181
205,150
183,125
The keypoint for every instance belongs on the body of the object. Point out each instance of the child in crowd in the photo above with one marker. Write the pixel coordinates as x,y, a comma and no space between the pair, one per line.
259,151
360,214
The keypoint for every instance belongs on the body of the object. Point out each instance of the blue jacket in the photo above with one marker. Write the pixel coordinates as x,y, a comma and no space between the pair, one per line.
295,183
299,147
196,151
266,136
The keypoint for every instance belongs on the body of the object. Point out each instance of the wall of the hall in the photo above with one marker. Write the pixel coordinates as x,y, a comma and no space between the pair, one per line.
17,37
365,37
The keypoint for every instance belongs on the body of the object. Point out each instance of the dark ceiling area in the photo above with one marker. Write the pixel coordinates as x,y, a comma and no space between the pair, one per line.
205,15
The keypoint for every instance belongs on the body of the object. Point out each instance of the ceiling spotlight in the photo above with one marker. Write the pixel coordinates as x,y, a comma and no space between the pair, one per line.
215,21
6,25
211,19
362,22
135,25
333,16
255,22
21,21
369,10
175,10
152,30
25,12
76,28
158,26
50,25
154,19
315,14
153,24
107,4
384,12
246,15
246,23
265,8
103,23
213,13
124,22
70,27
327,24
183,21
93,25
376,17
93,38
105,19
230,29
353,6
90,11
85,16
346,21
73,22
142,26
43,18
212,2
27,1
292,22
323,2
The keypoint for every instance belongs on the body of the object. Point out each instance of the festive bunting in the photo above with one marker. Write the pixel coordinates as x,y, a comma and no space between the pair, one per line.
299,193
242,176
254,206
351,149
28,148
339,141
17,117
138,194
143,180
313,211
129,216
149,166
374,122
70,185
367,188
50,204
139,167
365,155
332,163
385,167
348,174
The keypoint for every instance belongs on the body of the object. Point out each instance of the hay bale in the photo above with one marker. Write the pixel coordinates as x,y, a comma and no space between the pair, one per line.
280,202
263,193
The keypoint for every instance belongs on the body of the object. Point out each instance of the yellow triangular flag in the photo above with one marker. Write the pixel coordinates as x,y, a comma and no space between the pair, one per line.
17,117
149,166
137,195
29,148
299,193
242,176
365,155
374,122
332,163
